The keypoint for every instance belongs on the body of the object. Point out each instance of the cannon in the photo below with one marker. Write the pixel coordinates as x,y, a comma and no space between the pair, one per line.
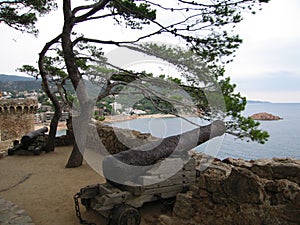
121,167
158,170
30,142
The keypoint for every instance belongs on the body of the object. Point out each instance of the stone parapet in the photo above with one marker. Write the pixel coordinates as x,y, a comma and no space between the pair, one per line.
18,106
235,191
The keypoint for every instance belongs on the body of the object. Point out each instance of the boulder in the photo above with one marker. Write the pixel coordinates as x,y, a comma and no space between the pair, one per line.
243,186
184,207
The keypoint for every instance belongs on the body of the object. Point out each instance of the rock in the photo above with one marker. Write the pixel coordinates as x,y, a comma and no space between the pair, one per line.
243,186
281,191
3,153
12,214
277,170
183,207
238,162
264,116
167,220
236,191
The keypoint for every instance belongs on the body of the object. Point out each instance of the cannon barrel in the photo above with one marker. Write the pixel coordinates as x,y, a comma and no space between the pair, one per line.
123,166
29,138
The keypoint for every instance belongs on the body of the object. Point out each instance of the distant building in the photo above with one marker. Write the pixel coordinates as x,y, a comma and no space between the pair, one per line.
116,108
45,108
138,112
46,117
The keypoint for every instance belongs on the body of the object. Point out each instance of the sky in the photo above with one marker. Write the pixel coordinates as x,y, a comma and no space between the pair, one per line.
266,66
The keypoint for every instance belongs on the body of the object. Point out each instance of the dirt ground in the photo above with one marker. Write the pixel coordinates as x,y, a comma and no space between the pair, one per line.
43,187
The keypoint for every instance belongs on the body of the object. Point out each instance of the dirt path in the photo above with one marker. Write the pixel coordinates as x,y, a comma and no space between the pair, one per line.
44,188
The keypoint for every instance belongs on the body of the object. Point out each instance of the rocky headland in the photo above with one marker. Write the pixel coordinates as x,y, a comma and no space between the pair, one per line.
265,116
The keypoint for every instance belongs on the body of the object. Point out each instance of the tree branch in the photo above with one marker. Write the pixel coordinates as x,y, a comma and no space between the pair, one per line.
94,9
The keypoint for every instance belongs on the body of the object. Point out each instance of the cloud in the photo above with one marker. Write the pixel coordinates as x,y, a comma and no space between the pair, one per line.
282,86
271,41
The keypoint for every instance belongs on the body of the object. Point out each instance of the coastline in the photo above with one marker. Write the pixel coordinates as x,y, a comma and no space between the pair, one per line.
61,126
121,118
108,120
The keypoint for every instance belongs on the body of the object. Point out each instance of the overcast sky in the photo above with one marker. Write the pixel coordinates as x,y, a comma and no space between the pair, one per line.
266,67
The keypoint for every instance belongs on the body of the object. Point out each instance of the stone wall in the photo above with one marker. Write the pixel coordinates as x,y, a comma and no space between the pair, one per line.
115,140
234,191
106,138
16,118
14,126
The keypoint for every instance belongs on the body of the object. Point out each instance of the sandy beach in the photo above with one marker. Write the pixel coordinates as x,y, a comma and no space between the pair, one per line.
47,193
61,126
120,118
108,119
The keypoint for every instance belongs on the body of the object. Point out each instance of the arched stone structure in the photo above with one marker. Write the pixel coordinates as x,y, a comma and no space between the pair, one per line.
16,117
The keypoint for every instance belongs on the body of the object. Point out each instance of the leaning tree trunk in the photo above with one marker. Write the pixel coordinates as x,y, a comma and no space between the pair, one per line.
57,112
50,145
76,158
77,82
79,129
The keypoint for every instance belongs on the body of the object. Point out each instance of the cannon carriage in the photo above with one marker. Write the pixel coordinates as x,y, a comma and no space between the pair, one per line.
32,142
120,203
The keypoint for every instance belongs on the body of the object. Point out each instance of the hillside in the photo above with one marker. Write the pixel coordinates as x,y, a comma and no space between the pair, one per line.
7,78
18,83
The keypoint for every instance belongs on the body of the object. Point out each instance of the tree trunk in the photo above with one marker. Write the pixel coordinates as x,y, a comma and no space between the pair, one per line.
80,126
76,158
57,112
53,128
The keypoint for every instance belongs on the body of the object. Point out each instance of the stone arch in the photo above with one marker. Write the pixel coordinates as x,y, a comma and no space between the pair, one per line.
25,109
31,109
19,109
5,109
0,109
12,109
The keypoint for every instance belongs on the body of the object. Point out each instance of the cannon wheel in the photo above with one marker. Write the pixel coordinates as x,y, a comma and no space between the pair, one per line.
10,151
125,215
37,151
86,202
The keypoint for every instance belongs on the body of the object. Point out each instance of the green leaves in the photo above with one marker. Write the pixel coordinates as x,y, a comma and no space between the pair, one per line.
22,14
209,90
133,14
30,70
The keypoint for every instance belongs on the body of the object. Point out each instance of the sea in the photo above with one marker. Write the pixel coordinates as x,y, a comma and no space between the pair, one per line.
284,140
